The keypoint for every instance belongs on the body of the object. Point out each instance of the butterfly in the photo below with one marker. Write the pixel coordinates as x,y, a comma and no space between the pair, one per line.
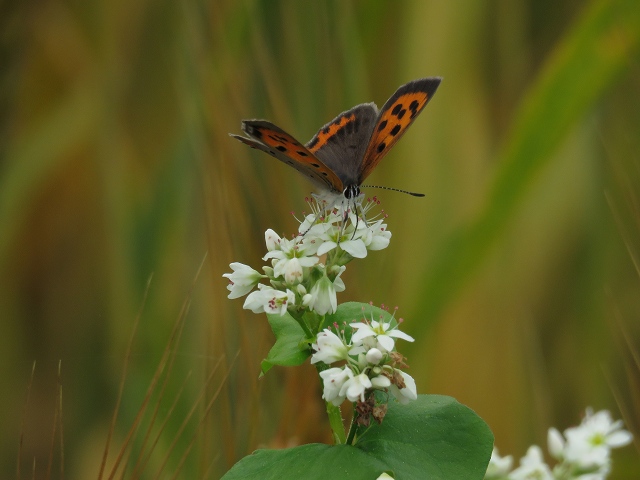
346,150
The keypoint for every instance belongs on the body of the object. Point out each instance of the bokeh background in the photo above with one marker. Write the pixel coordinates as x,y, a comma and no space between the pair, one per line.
123,201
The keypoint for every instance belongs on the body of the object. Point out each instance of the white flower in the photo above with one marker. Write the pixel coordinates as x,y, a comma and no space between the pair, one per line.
327,245
300,290
406,394
589,444
354,247
329,348
373,356
272,239
329,228
380,382
355,387
269,300
242,280
377,236
322,297
256,300
308,224
293,271
498,466
289,259
381,332
555,443
333,380
322,217
583,452
601,429
532,467
384,476
331,233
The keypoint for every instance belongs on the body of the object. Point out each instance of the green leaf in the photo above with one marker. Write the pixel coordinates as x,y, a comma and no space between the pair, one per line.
434,437
287,350
310,462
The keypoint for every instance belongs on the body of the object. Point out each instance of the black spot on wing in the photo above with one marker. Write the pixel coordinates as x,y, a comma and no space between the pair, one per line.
414,108
278,138
382,125
282,148
381,147
394,131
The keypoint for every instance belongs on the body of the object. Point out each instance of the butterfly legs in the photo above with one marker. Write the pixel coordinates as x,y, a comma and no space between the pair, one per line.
352,205
337,204
320,205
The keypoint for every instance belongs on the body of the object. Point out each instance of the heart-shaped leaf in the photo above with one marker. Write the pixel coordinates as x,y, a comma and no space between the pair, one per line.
287,350
434,437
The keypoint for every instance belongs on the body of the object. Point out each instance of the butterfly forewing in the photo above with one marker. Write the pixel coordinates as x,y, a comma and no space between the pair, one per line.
341,143
395,117
279,144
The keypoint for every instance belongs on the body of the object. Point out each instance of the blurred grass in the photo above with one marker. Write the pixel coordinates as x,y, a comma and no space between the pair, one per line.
115,163
585,64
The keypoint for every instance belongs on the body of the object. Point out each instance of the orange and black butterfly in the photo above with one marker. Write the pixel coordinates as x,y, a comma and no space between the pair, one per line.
346,150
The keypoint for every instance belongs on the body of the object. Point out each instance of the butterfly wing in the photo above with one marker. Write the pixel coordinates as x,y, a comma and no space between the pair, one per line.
395,117
341,143
279,144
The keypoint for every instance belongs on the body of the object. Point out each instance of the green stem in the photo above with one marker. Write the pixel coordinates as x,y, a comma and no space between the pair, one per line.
352,431
302,324
321,323
335,421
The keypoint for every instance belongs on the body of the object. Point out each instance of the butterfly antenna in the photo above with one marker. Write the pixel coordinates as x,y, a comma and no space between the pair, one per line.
415,194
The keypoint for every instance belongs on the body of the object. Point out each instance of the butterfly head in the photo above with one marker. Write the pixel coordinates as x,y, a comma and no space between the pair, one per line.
352,191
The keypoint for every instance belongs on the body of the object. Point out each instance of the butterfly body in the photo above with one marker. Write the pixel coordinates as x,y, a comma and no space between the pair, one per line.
346,150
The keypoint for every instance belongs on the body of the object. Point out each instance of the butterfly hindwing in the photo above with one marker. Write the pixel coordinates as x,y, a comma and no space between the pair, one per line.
279,144
341,143
397,114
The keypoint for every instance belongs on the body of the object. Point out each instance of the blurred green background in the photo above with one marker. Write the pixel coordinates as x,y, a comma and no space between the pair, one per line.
518,273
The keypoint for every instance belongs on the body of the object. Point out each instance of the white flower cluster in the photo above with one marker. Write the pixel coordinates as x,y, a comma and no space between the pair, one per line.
298,279
370,363
584,452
